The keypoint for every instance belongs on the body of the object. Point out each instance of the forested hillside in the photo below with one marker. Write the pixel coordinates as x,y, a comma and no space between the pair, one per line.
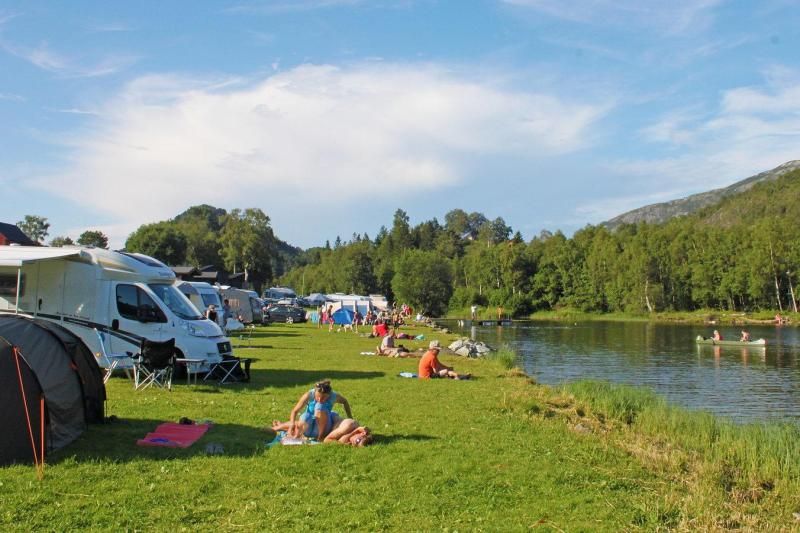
740,254
662,212
239,241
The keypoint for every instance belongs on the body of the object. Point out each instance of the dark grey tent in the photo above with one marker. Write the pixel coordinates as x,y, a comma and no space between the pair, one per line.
20,417
66,372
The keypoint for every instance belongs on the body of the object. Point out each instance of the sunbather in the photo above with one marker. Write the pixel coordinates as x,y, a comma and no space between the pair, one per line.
350,432
319,417
431,367
388,348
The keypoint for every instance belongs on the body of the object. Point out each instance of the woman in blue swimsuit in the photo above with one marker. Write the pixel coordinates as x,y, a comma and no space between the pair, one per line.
318,418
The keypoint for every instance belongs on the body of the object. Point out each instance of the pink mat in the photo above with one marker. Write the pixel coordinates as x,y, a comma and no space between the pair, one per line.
174,435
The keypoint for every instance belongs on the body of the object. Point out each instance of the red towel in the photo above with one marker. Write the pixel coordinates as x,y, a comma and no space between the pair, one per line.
174,435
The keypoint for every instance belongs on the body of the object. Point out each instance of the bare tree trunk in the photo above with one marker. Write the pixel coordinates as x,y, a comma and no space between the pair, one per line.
646,297
791,291
775,276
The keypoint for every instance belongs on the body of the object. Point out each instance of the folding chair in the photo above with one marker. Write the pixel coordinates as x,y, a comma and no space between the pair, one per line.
154,365
246,336
113,361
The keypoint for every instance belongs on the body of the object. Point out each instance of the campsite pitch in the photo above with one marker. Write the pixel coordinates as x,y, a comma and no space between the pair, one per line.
493,453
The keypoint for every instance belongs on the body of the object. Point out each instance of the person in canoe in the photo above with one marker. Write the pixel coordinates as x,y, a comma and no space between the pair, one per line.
745,336
716,336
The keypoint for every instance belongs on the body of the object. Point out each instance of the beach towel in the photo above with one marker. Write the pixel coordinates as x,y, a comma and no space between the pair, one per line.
407,375
174,435
282,438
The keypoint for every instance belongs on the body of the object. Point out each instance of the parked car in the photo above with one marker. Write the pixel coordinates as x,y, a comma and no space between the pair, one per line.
284,313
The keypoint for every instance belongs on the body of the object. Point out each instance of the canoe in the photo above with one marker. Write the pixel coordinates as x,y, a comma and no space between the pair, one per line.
757,342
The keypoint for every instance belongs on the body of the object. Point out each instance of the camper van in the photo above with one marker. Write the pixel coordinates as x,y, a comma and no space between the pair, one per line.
201,294
280,295
129,297
244,304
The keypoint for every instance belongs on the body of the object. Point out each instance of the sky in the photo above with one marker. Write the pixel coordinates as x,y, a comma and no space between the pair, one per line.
329,115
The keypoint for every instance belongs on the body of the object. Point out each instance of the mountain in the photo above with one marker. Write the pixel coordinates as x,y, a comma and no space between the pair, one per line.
658,213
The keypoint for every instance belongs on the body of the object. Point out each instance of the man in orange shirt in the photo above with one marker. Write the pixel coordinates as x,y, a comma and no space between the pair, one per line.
431,367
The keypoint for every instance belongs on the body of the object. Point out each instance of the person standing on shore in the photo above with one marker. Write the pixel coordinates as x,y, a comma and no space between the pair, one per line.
473,312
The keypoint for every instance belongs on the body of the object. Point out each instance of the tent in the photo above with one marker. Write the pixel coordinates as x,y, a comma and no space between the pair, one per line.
50,362
21,414
343,316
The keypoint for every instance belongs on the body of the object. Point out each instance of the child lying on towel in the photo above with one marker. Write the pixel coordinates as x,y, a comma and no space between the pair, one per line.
345,431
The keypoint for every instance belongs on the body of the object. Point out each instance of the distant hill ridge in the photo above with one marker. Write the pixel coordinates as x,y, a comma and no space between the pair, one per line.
659,213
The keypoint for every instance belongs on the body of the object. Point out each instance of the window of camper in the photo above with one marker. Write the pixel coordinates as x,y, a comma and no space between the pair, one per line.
176,301
211,298
8,285
134,304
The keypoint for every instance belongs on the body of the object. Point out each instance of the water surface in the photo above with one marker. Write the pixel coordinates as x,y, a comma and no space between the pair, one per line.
743,384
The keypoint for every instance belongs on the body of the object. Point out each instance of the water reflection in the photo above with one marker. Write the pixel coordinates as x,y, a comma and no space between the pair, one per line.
743,383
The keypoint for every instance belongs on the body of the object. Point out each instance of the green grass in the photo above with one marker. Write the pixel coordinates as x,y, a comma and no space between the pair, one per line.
495,453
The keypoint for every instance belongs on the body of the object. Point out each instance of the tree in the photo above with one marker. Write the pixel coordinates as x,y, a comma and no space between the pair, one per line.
247,244
35,227
424,280
57,242
160,240
94,238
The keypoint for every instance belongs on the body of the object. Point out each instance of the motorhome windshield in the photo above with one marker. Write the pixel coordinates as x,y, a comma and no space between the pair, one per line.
211,298
175,300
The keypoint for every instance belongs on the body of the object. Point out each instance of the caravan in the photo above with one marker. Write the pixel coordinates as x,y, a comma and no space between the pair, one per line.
129,297
245,305
201,294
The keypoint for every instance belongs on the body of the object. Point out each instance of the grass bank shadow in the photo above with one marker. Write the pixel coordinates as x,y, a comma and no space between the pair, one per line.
264,378
96,443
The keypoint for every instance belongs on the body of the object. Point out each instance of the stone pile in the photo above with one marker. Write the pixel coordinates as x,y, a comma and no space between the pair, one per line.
469,348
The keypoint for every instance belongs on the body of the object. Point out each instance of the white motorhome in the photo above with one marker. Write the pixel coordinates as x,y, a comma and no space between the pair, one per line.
201,294
129,297
244,304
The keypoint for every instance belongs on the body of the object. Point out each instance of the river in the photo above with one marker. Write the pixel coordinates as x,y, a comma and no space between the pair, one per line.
742,384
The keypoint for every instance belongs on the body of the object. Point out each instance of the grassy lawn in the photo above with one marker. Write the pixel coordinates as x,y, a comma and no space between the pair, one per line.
494,453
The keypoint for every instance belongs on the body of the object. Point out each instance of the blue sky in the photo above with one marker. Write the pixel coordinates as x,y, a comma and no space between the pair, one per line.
331,114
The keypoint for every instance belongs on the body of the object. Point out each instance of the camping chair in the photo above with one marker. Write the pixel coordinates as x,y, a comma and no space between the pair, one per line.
113,361
155,364
246,336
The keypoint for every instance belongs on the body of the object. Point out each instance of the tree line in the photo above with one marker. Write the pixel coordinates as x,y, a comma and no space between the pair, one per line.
742,254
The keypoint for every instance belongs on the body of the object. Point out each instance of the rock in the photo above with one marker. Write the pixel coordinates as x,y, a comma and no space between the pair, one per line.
463,351
482,349
455,345
580,428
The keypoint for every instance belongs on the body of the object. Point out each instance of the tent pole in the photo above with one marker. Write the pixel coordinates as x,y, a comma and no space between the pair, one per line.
19,283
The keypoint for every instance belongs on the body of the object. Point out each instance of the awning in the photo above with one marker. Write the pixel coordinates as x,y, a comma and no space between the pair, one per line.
16,256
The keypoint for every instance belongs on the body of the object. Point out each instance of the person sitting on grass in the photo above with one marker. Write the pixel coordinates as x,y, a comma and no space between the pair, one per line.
388,348
431,367
319,418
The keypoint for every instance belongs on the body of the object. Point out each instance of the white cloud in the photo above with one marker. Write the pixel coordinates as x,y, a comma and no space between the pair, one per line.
12,97
44,57
754,129
314,136
668,17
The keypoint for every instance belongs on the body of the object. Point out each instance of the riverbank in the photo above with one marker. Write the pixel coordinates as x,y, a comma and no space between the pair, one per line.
495,453
703,316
